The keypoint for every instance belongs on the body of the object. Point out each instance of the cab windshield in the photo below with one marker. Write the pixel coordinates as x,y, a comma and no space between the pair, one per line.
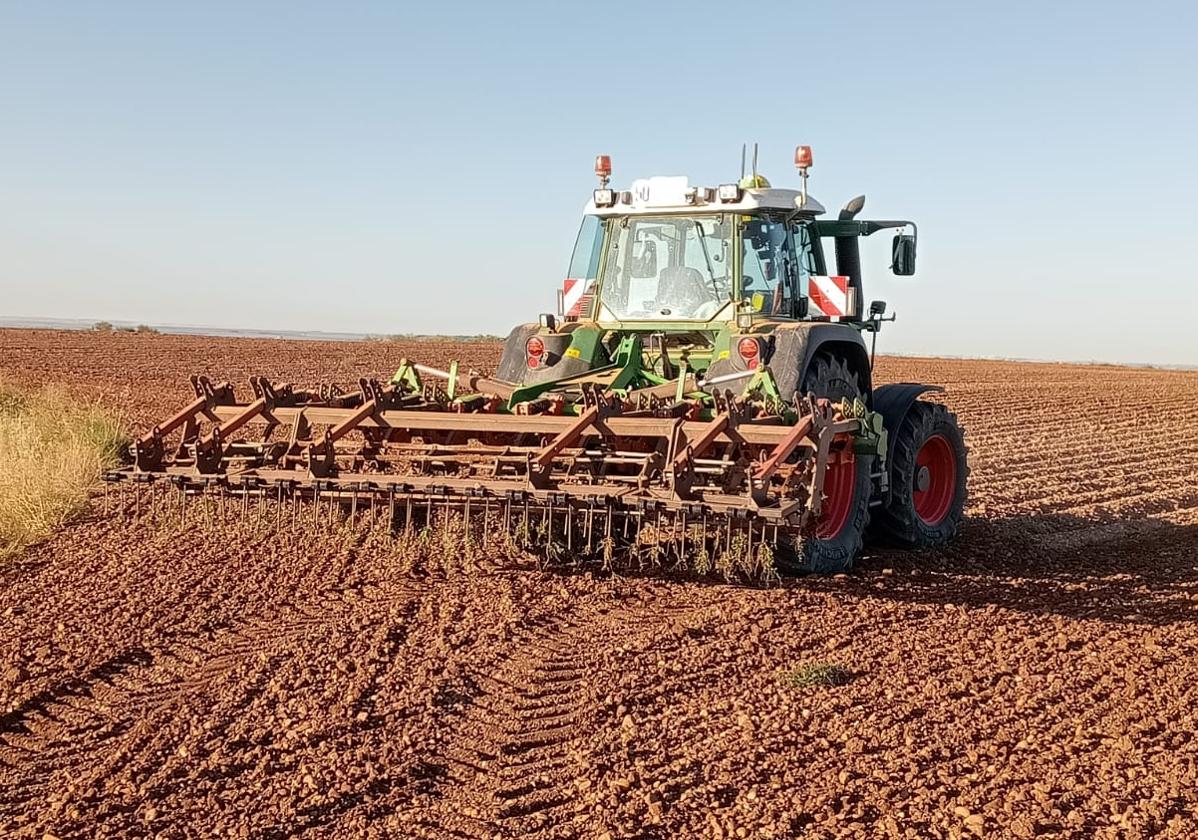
668,268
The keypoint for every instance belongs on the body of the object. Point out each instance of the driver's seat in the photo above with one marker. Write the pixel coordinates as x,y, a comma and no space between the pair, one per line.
680,284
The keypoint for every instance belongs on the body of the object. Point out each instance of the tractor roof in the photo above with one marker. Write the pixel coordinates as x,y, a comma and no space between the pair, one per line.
673,194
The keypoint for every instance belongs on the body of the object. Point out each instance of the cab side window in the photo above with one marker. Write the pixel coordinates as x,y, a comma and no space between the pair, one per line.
805,262
767,270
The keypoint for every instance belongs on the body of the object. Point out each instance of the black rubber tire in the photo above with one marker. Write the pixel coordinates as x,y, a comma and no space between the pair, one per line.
830,377
837,554
897,522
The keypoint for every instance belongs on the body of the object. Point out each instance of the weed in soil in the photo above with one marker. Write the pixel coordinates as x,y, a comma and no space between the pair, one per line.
816,673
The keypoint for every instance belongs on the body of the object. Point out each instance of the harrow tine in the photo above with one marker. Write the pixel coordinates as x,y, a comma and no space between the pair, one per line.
570,528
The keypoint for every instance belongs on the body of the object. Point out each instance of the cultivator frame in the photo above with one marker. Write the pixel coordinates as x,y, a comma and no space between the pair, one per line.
617,446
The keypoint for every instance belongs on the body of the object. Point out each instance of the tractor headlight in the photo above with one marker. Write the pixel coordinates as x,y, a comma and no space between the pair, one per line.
605,198
729,192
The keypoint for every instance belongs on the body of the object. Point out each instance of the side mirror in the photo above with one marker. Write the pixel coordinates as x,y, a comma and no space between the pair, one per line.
877,307
902,255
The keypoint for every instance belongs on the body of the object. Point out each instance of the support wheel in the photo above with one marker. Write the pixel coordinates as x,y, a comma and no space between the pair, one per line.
844,515
927,493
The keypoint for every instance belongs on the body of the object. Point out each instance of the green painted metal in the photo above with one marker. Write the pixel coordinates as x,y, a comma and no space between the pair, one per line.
586,345
406,378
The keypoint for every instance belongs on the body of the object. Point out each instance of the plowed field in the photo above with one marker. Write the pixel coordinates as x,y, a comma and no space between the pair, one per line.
1038,678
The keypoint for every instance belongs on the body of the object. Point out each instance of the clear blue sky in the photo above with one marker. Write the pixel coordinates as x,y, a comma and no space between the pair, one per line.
395,167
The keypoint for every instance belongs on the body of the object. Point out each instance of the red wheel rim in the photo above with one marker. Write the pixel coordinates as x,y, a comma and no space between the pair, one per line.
938,458
840,483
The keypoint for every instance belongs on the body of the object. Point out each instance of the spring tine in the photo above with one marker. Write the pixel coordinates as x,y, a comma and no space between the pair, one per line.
486,519
391,507
569,528
589,522
682,547
408,514
353,506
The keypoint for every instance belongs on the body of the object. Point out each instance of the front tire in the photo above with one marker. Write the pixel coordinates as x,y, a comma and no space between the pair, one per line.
929,470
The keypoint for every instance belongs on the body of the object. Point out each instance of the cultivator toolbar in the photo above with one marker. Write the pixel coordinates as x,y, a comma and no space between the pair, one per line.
582,463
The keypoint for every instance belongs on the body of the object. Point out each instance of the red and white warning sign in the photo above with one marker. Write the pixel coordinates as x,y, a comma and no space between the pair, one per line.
830,295
576,297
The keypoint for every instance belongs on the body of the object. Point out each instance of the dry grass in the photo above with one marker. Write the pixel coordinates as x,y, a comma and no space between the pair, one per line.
52,450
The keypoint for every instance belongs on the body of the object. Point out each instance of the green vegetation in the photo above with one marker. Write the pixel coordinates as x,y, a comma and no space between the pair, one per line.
147,329
816,673
54,449
102,326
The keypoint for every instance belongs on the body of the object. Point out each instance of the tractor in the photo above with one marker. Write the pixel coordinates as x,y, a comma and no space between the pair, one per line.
704,388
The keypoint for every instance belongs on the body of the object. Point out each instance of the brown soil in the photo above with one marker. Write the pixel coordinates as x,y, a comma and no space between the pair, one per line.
1037,678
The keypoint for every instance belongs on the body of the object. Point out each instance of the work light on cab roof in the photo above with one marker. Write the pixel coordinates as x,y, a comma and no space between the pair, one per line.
705,390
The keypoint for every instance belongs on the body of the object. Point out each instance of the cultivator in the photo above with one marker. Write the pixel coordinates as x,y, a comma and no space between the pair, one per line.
581,465
705,388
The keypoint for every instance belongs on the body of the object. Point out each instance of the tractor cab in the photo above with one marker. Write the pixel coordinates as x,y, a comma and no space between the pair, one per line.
722,279
670,254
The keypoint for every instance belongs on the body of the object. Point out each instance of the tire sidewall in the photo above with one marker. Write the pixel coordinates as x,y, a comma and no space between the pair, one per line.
836,554
926,420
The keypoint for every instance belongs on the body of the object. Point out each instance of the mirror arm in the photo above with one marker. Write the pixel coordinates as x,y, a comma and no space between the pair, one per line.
875,326
870,227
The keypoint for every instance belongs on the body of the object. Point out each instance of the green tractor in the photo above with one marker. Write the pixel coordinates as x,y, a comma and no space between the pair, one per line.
705,391
726,282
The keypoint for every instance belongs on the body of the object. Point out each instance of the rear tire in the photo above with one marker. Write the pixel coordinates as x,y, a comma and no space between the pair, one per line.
928,473
844,511
839,533
830,377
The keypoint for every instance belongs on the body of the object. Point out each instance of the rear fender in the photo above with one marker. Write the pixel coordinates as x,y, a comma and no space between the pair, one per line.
568,352
893,402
